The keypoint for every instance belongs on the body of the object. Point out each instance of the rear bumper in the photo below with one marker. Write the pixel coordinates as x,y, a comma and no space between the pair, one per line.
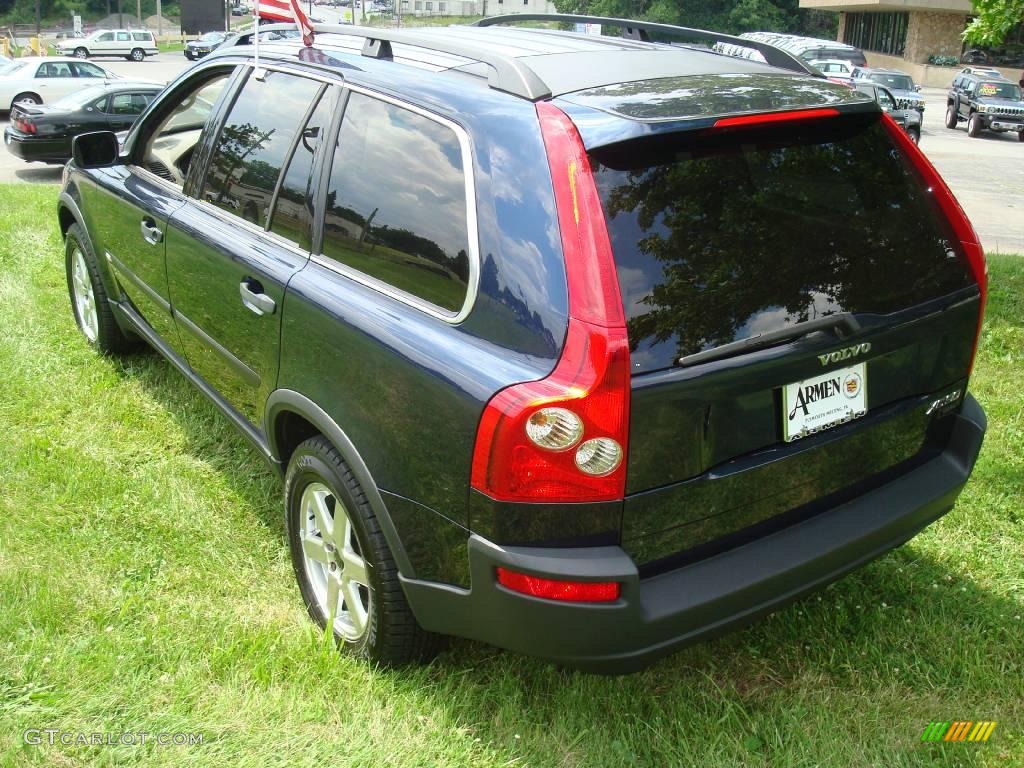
41,150
660,614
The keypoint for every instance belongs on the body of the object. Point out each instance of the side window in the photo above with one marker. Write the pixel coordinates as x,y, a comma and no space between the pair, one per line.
101,105
106,37
142,37
396,203
85,69
293,209
59,69
127,104
254,144
123,37
169,149
885,99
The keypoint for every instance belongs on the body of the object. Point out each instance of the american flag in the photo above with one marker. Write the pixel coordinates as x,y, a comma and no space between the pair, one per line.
285,10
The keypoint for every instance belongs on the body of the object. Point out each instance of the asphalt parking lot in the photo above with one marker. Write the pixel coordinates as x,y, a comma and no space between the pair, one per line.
986,173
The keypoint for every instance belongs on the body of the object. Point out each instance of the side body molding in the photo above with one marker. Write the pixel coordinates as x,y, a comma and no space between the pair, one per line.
285,400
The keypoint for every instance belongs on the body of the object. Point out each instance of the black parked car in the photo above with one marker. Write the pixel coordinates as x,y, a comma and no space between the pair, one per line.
985,103
204,45
44,133
531,371
909,118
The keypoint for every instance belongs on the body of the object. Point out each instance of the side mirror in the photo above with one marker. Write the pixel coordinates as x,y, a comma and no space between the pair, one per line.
95,150
917,88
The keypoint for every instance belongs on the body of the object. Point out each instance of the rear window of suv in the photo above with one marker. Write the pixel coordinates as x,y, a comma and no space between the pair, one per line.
722,237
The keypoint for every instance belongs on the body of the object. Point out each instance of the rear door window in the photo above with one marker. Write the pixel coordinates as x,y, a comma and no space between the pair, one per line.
85,69
397,202
722,237
255,142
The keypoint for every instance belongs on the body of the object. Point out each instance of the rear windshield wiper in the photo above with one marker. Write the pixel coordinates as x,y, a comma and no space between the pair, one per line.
843,323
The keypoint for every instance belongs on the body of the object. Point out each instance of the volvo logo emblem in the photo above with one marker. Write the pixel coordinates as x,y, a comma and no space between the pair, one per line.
845,354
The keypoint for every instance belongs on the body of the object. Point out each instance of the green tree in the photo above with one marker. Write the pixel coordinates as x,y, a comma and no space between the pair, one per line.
994,20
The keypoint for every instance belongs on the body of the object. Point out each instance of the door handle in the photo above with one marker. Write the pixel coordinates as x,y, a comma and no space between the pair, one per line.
254,298
150,233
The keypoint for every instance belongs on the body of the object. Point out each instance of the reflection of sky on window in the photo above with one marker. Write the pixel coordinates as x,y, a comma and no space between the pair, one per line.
275,106
409,168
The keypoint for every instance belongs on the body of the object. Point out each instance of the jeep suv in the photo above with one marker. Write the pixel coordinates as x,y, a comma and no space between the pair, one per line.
985,103
555,339
132,44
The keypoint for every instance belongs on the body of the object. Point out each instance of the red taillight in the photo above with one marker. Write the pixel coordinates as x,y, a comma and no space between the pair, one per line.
25,126
552,589
793,116
591,379
970,248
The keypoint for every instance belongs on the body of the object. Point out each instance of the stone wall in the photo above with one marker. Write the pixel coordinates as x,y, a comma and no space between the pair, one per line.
933,34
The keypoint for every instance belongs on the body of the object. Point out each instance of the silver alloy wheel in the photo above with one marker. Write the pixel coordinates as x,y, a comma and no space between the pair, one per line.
335,566
85,298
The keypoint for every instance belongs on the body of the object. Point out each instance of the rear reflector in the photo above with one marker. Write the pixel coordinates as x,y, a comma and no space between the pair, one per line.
552,589
970,249
793,116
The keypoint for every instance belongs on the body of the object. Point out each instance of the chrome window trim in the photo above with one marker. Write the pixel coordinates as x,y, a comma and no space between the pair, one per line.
472,227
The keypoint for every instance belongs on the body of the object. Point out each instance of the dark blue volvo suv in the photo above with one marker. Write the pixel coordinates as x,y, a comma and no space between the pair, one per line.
555,339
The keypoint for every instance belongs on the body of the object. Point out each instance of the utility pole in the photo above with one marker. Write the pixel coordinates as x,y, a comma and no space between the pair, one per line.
138,11
227,15
159,18
39,20
120,15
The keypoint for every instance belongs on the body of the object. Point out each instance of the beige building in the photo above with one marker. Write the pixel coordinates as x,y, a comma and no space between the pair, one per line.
904,34
474,7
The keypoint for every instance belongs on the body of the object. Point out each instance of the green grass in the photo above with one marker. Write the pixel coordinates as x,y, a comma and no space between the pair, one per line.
145,586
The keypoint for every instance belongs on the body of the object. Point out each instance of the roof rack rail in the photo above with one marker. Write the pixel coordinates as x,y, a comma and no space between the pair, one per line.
508,74
638,30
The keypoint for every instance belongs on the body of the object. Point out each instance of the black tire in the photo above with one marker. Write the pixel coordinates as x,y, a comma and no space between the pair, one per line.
103,333
81,53
973,125
914,134
137,54
951,117
391,635
189,56
1020,135
26,98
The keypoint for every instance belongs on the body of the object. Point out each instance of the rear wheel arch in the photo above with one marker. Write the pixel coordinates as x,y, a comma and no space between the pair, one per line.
290,418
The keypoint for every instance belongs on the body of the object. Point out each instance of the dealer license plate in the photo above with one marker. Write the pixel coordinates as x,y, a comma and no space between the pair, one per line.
833,398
